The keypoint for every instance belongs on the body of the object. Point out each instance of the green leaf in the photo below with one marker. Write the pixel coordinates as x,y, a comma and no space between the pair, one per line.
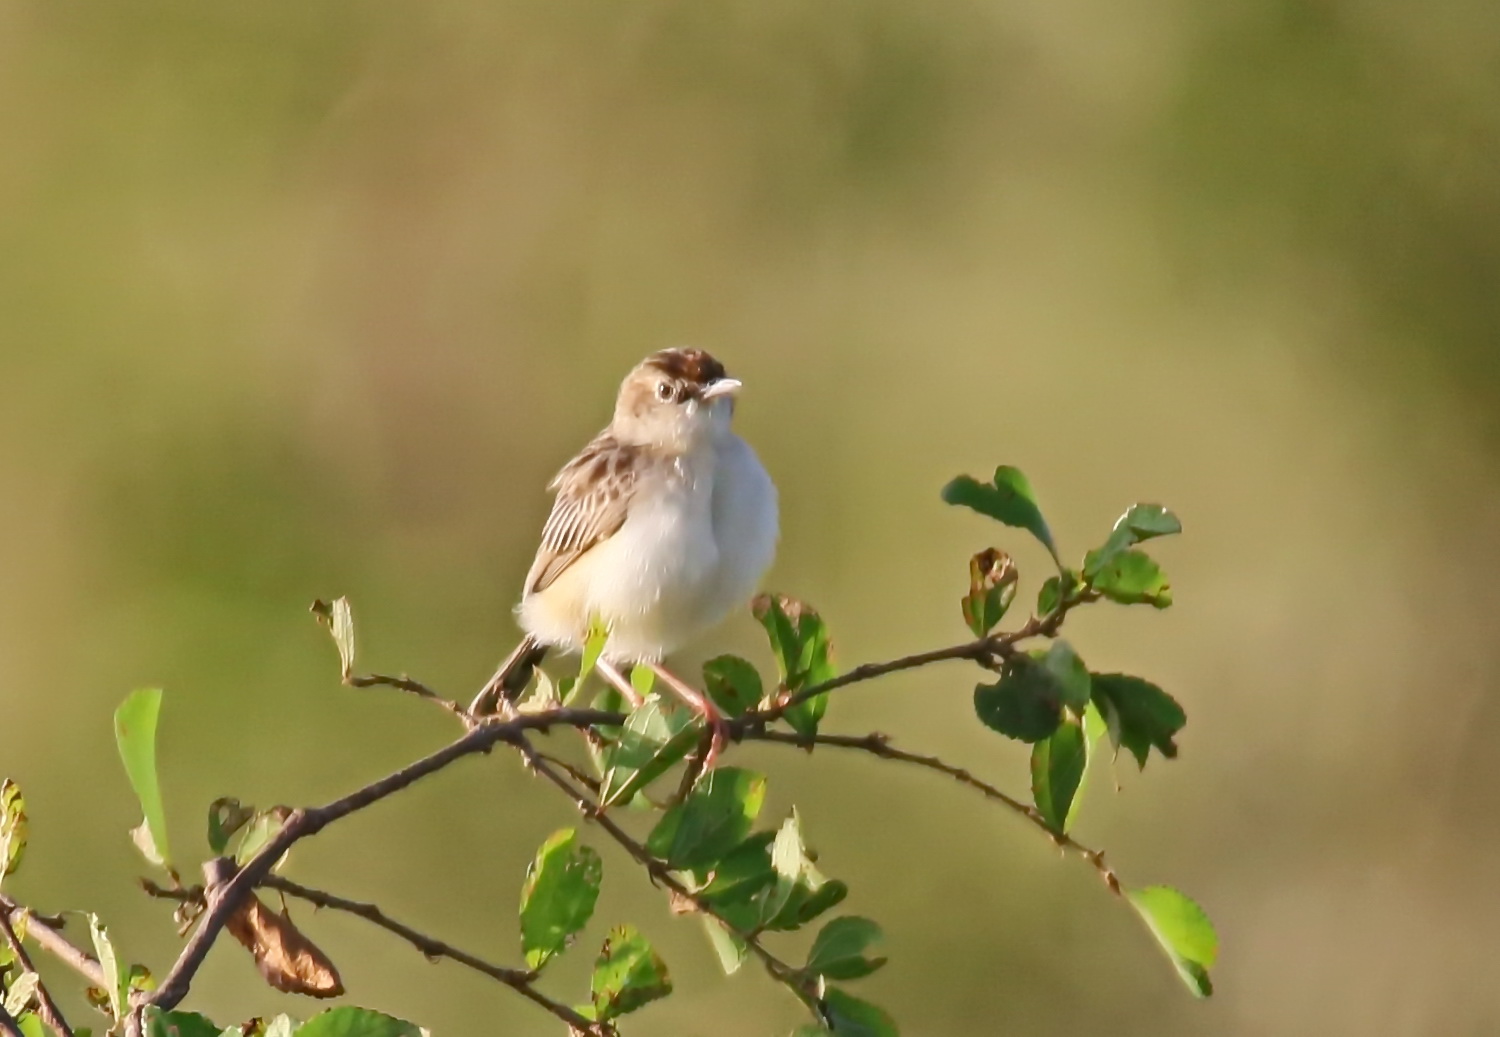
104,950
31,1026
558,897
593,647
992,587
848,1016
281,1026
135,734
13,827
1056,590
653,739
799,893
1141,522
711,820
729,948
1072,677
1058,763
356,1022
1140,716
803,651
179,1024
1133,578
226,815
337,617
1184,932
1027,701
260,830
839,950
733,684
1008,499
741,874
628,974
1022,704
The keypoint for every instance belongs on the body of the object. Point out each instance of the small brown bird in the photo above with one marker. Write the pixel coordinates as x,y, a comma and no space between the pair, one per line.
661,526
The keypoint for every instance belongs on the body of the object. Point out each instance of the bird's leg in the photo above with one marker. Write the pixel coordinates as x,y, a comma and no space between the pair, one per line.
621,683
717,725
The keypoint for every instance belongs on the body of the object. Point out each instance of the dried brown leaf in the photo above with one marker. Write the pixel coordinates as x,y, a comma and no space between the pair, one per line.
287,960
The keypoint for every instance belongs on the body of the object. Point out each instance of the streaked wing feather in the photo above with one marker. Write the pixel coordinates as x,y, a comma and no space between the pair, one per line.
593,498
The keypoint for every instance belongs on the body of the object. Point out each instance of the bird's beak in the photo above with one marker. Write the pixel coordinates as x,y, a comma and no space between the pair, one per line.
723,387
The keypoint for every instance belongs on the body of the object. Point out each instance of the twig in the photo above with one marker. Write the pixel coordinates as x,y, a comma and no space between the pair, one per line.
46,1008
405,683
879,745
53,942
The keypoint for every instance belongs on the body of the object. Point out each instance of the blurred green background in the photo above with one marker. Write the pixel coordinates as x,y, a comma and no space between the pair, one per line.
300,300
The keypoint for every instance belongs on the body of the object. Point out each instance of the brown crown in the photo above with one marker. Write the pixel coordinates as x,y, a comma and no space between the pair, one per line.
693,366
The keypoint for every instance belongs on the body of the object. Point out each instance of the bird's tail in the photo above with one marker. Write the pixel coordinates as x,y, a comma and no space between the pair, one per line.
511,678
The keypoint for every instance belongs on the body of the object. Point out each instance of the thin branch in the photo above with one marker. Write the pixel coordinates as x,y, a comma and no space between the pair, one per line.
46,1008
518,980
8,1024
879,745
53,942
224,900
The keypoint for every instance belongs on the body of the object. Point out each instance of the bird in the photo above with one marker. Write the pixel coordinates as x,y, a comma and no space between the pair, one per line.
660,527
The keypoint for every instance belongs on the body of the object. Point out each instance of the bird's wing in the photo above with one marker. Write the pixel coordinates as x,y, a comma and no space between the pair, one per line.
593,497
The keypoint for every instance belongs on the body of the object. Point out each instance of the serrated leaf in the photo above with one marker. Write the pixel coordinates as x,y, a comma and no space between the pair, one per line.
992,587
728,948
226,816
1141,522
711,820
109,964
1140,716
1133,578
628,974
1008,498
742,873
357,1022
839,950
1183,930
558,897
848,1016
1058,763
799,892
652,740
135,734
733,684
13,827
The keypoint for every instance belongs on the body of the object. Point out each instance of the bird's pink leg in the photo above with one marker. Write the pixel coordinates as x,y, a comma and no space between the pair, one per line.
717,725
620,682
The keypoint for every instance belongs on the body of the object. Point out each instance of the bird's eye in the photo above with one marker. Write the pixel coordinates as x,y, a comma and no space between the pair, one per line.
664,391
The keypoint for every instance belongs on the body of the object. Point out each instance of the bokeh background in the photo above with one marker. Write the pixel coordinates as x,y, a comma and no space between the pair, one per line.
301,300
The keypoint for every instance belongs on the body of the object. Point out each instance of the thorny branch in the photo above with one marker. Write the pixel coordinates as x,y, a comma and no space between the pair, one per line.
221,901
